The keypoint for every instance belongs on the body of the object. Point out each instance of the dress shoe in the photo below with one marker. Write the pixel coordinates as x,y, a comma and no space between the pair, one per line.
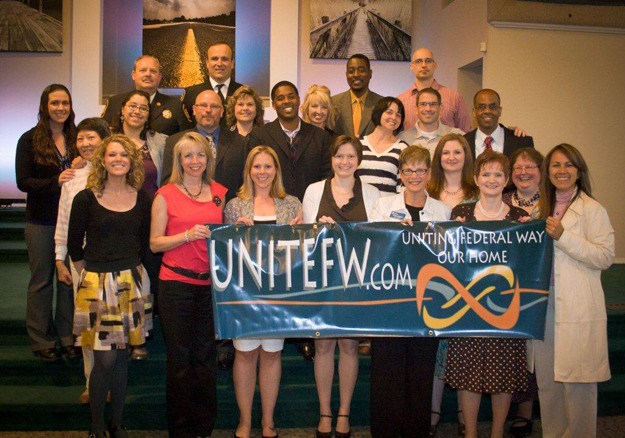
521,427
72,353
84,397
307,350
97,434
48,355
320,434
139,353
225,359
347,434
118,431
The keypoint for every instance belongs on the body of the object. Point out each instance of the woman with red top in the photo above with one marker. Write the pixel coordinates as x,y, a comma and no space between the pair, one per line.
181,210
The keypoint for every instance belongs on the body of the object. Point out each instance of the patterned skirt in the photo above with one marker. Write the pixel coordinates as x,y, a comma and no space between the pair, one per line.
487,365
113,309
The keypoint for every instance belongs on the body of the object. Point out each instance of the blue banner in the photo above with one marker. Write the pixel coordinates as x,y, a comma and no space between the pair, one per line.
380,279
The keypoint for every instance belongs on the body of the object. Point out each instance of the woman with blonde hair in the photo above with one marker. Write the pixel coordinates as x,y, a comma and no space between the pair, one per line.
318,109
261,200
180,212
244,110
113,304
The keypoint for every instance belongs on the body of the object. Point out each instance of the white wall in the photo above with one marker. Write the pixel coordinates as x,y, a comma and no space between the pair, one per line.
23,76
567,87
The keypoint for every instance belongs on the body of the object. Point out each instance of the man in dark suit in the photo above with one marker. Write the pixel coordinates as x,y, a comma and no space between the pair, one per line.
166,115
490,134
230,146
219,62
303,149
354,106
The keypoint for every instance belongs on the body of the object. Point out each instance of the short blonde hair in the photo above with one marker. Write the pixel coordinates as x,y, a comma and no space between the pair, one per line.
414,154
319,94
246,191
98,175
193,138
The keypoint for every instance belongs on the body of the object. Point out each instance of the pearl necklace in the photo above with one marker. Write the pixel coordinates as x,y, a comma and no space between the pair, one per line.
448,193
478,204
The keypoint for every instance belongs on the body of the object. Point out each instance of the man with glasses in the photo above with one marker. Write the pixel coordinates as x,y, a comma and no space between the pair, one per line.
429,129
453,112
166,115
490,134
229,146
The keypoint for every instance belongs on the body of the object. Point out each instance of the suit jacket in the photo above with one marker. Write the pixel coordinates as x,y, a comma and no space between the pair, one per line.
510,142
344,121
312,160
166,115
231,154
190,93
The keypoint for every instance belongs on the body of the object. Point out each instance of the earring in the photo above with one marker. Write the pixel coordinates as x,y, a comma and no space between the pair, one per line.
121,118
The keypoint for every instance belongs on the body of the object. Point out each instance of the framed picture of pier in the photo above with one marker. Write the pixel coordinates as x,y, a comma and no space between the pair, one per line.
380,29
179,33
31,26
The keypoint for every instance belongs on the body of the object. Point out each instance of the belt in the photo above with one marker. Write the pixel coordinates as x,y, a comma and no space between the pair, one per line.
189,273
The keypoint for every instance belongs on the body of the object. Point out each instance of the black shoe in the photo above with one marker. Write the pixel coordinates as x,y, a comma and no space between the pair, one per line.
72,353
225,359
521,427
320,434
118,431
307,350
48,355
97,435
338,434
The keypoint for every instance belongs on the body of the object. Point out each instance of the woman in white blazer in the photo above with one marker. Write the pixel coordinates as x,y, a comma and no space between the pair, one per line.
574,354
340,198
404,366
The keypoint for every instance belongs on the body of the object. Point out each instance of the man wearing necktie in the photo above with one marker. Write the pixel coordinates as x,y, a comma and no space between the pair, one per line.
354,106
490,134
219,63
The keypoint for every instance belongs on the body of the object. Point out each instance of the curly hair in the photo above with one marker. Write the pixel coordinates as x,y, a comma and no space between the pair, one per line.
44,149
98,175
319,94
242,92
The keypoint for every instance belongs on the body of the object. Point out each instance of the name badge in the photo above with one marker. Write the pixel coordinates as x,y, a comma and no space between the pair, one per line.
398,215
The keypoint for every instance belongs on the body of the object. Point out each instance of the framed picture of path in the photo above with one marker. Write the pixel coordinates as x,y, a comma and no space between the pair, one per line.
32,26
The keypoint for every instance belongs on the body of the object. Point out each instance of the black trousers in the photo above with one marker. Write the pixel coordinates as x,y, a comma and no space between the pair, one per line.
402,371
187,320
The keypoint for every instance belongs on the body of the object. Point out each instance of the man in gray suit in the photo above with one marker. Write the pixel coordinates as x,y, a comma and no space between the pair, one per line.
355,105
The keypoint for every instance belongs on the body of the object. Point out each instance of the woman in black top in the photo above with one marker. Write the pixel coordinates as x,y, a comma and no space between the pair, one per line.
113,304
42,164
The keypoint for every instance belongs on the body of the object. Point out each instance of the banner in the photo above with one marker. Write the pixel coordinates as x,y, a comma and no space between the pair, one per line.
380,279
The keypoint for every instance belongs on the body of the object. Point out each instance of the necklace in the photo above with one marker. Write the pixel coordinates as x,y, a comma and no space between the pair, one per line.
338,191
191,195
524,202
448,193
478,204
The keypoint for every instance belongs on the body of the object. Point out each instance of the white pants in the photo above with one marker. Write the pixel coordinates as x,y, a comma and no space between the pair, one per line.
567,410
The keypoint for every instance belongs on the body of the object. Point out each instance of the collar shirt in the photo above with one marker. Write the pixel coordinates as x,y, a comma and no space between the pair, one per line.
291,134
429,140
497,144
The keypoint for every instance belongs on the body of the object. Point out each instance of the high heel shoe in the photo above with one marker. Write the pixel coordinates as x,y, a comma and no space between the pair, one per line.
347,434
521,427
320,434
434,427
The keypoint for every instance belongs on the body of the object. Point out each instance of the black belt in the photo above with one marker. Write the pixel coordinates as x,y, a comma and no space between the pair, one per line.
189,273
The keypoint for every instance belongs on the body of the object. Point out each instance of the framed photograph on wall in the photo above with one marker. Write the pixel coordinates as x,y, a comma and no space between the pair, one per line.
380,29
31,26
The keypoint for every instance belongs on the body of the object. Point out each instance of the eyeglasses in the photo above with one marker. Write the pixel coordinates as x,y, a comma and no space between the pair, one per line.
205,106
490,106
410,172
526,168
420,61
430,104
135,107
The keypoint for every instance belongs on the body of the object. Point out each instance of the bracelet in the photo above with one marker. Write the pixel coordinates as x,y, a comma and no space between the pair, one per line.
186,236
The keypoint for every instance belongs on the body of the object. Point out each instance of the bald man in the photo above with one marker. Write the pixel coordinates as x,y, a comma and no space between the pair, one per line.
453,110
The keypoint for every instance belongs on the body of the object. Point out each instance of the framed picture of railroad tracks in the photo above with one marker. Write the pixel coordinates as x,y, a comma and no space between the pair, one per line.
380,29
31,26
179,34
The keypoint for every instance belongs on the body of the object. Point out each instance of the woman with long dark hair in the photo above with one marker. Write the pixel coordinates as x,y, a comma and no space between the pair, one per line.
43,162
574,354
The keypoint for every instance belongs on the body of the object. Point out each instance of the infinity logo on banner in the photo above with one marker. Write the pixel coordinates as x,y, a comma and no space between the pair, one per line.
357,279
